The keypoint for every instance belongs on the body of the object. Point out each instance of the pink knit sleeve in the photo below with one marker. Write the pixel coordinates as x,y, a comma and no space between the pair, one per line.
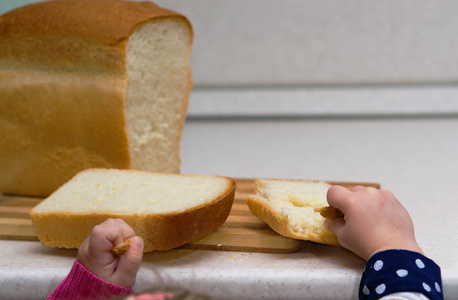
80,283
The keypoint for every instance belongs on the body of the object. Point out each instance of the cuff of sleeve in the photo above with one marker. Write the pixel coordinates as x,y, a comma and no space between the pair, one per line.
394,271
81,283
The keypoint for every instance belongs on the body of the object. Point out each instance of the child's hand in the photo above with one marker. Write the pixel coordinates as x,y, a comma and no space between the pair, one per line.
95,253
374,221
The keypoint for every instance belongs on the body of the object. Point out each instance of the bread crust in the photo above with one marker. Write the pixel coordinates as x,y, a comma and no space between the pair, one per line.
159,231
280,225
46,142
270,216
75,34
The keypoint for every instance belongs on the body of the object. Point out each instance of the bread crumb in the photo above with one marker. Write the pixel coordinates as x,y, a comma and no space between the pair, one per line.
231,256
121,248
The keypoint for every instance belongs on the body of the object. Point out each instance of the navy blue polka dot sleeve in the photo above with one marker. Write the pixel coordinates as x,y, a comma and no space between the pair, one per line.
395,271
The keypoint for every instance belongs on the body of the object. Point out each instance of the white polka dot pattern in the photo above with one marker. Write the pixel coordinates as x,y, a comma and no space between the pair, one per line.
402,272
378,265
380,289
438,287
419,263
426,287
393,271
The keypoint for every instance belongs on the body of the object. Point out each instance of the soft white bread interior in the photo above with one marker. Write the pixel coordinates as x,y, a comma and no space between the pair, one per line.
166,210
90,83
158,88
287,206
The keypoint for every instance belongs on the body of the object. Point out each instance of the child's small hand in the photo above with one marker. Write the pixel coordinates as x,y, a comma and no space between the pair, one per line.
95,253
374,221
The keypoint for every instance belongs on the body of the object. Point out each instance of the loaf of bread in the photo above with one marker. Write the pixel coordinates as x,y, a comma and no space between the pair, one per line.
166,210
90,83
287,206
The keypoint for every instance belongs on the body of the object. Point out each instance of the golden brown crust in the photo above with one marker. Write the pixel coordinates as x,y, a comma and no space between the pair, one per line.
45,143
87,34
159,231
271,217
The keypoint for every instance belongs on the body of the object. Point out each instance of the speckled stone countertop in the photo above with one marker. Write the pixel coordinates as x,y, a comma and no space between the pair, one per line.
30,270
415,158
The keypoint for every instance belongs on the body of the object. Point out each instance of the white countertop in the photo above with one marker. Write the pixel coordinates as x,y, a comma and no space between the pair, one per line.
416,158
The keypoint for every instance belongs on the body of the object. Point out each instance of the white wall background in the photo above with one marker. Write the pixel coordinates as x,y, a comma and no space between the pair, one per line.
296,42
313,57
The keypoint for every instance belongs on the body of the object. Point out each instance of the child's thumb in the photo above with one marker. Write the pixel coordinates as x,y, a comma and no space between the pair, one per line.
130,261
135,253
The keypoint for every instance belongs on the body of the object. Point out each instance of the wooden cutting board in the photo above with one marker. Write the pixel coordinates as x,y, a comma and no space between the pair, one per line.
242,231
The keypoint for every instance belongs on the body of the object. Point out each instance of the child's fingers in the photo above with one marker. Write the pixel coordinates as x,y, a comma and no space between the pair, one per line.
334,225
97,242
133,256
95,252
117,231
129,262
105,235
338,196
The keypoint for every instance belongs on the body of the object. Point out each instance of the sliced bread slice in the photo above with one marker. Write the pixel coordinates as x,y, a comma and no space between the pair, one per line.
287,206
166,210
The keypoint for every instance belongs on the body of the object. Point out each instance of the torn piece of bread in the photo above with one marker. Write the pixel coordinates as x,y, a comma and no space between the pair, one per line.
90,83
329,212
121,248
166,210
287,206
